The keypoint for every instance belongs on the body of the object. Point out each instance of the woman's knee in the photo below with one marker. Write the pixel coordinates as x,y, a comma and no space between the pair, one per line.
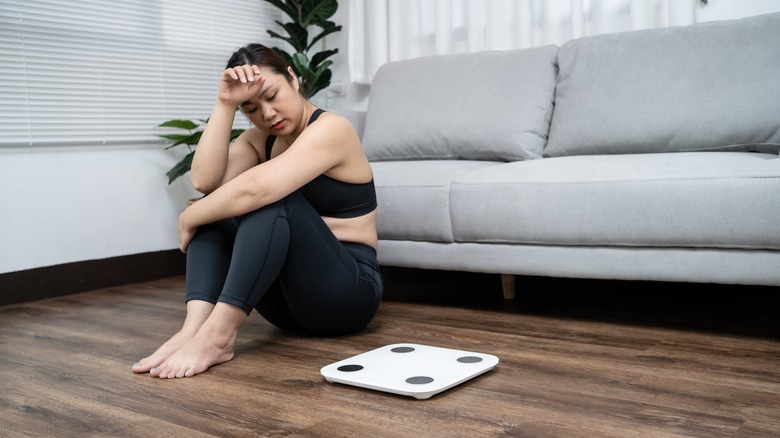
225,227
294,198
217,234
283,208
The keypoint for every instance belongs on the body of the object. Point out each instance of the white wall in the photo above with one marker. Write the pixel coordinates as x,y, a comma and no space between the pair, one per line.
61,205
733,9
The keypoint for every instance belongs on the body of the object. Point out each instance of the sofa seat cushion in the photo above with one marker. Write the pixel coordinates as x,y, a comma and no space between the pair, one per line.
710,86
491,105
687,199
413,197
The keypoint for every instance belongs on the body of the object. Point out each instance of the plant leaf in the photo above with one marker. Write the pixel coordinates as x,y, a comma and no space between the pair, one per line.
285,7
321,56
322,11
298,34
235,133
286,56
324,78
307,75
276,35
322,35
174,137
322,82
181,124
321,69
325,24
314,73
180,168
191,139
301,61
305,8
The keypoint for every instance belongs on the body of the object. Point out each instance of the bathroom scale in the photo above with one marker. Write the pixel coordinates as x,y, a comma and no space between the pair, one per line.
419,371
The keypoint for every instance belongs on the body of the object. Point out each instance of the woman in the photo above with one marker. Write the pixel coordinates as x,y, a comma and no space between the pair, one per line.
288,226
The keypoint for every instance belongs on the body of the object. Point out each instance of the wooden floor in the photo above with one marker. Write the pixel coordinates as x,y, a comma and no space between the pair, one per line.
578,359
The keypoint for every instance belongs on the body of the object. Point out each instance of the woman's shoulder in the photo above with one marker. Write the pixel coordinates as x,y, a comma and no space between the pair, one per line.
254,135
254,138
337,123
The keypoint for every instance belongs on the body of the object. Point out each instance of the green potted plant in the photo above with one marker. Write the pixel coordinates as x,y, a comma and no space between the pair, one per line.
190,139
313,71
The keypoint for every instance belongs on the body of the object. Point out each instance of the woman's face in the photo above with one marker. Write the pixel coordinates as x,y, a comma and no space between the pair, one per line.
278,107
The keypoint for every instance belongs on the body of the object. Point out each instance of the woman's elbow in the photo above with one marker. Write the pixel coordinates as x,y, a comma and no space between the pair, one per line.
201,185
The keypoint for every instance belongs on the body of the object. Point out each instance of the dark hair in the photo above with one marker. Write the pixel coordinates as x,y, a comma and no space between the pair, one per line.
260,55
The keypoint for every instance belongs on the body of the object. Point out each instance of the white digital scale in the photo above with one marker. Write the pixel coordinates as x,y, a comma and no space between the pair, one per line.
419,371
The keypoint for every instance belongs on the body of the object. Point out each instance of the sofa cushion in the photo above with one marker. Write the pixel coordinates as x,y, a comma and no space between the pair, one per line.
711,86
413,197
493,105
694,199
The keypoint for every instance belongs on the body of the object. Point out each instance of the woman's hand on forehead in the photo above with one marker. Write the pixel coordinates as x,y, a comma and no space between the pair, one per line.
239,84
245,73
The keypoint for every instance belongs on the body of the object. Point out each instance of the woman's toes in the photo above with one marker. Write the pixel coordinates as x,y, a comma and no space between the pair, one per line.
168,373
141,367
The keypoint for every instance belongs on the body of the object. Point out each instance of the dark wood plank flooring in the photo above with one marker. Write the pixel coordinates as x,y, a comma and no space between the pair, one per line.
578,358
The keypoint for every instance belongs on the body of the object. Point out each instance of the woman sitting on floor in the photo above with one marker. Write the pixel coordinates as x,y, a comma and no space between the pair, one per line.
288,226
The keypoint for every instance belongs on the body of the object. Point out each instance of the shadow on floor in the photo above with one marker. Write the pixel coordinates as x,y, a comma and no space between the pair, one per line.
734,309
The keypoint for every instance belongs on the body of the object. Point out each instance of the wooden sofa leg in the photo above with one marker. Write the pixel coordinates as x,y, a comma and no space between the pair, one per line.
508,286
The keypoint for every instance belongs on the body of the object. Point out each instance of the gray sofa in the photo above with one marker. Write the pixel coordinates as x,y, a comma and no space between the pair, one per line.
645,155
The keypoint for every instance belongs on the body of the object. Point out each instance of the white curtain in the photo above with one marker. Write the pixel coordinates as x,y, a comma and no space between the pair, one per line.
390,30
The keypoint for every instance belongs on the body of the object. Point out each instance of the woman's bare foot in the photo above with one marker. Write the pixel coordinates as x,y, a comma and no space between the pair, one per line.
212,345
164,352
197,313
196,356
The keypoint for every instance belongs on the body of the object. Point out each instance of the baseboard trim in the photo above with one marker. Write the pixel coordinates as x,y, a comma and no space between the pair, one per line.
70,278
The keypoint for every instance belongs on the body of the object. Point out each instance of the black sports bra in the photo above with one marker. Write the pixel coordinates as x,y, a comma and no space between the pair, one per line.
331,197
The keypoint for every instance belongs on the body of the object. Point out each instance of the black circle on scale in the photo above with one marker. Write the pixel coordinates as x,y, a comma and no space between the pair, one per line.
469,359
350,368
419,380
402,349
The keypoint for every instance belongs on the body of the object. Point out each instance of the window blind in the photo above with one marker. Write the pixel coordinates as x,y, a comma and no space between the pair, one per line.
102,72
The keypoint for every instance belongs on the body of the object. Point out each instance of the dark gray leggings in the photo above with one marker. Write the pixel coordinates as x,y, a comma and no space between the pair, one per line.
284,261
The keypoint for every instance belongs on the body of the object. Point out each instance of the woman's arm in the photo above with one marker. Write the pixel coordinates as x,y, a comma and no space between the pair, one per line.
321,147
232,160
211,156
215,162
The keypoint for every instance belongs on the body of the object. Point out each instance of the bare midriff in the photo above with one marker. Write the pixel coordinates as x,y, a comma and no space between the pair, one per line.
361,229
